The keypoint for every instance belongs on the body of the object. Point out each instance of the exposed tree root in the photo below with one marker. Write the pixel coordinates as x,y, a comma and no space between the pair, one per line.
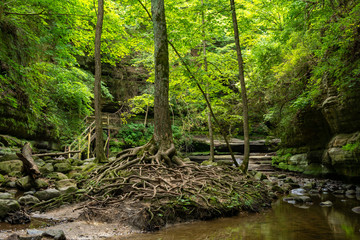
173,189
166,188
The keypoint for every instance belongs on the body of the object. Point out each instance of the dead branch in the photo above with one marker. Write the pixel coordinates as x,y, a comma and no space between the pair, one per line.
29,165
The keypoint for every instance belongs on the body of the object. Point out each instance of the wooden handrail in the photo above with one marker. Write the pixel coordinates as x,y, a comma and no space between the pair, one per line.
87,136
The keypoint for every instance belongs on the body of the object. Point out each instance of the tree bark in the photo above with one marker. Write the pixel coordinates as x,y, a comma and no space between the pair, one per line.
245,163
99,144
162,122
211,133
29,164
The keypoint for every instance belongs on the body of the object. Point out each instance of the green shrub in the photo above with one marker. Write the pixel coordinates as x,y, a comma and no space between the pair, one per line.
135,134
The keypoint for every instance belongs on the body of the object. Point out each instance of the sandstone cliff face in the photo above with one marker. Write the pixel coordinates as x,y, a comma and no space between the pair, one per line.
328,139
123,80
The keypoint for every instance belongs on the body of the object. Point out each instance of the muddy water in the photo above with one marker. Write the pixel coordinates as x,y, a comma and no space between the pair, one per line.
283,222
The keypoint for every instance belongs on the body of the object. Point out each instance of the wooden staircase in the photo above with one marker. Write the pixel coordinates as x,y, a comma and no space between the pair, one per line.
110,121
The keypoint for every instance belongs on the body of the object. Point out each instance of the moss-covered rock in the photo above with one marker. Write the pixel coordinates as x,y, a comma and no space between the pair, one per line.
25,183
7,167
41,183
66,185
7,206
47,194
28,200
57,176
6,195
318,170
39,162
9,141
8,157
46,168
63,167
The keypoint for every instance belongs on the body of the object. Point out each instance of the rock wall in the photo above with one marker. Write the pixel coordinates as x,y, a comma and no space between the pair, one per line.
328,138
123,80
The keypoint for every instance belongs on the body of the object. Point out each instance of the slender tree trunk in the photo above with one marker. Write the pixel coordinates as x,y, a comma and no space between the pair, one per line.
162,122
245,163
146,115
211,134
99,144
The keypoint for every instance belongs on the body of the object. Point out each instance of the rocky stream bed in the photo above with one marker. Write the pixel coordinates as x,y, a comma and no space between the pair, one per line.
62,181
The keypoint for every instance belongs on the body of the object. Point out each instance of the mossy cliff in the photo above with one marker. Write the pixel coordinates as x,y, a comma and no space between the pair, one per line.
327,139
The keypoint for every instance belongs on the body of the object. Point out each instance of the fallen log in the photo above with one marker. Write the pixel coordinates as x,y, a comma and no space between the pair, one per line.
29,164
55,154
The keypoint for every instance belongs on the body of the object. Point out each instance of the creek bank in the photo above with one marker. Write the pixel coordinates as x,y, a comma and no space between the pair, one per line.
193,192
143,212
94,223
324,139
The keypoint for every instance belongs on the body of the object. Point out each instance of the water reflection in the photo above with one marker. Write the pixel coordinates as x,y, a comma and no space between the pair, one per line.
283,222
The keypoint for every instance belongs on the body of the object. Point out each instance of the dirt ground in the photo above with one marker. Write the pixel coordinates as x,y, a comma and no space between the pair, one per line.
75,225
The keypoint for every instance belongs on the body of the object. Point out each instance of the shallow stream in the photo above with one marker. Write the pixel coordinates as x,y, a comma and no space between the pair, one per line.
283,222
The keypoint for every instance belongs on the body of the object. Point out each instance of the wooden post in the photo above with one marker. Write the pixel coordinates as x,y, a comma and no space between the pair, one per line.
108,145
69,149
89,142
79,147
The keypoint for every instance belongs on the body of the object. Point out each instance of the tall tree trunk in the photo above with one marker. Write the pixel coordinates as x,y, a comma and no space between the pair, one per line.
245,163
99,147
162,122
146,116
211,133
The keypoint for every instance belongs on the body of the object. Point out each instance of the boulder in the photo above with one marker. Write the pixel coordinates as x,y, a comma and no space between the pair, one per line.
57,176
31,192
39,162
8,157
41,183
260,176
303,199
326,204
28,200
6,195
13,236
25,183
308,186
66,185
356,210
34,232
10,141
46,168
63,167
350,192
7,206
300,161
298,192
55,234
15,174
75,174
339,192
11,166
316,169
11,184
47,194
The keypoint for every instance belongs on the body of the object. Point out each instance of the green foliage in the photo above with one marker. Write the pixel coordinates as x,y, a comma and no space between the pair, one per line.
131,135
282,157
352,147
134,134
292,51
